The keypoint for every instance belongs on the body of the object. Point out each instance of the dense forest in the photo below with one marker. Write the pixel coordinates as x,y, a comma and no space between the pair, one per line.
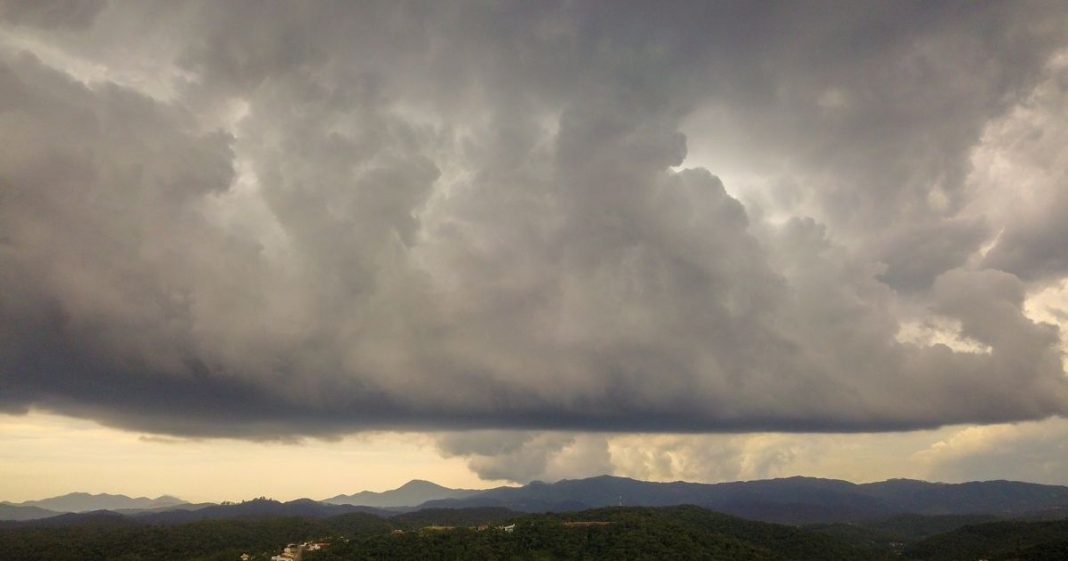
632,533
487,534
997,541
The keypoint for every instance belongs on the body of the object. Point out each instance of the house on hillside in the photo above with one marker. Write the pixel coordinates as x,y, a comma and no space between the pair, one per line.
289,553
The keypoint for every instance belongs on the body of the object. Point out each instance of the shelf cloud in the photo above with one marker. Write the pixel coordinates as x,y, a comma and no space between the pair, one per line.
255,220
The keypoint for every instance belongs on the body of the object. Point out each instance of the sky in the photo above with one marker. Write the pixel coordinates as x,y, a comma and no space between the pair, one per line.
490,242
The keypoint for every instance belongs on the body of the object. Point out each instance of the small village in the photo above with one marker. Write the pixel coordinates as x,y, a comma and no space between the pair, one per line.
291,552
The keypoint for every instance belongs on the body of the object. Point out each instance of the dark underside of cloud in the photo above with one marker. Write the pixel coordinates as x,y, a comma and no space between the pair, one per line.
268,220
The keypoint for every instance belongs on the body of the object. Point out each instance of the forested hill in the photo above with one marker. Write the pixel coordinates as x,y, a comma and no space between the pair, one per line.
614,533
997,541
608,534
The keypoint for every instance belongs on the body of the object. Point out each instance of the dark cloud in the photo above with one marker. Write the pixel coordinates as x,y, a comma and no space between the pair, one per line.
315,221
51,13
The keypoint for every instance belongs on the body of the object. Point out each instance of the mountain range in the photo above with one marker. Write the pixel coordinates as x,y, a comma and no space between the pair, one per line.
794,500
788,500
85,502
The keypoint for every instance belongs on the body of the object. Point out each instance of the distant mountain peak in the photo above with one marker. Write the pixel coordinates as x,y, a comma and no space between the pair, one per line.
602,477
412,493
419,484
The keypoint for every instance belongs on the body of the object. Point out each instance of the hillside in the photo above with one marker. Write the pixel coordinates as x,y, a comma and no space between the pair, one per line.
896,531
615,533
683,532
997,541
678,532
257,508
974,497
19,513
452,517
214,540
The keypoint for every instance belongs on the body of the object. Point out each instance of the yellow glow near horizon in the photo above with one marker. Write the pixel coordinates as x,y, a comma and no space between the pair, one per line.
43,455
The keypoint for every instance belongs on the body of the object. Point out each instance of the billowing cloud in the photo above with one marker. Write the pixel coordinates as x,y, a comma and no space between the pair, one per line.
1029,451
524,456
1025,149
273,221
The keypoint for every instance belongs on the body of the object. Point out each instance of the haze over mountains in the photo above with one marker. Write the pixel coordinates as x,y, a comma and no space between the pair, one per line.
21,513
795,500
84,502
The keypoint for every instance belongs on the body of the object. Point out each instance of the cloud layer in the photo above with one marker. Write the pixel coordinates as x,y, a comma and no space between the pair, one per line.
264,221
1030,451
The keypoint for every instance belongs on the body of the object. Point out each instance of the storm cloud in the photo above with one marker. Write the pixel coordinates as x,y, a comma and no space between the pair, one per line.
261,220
